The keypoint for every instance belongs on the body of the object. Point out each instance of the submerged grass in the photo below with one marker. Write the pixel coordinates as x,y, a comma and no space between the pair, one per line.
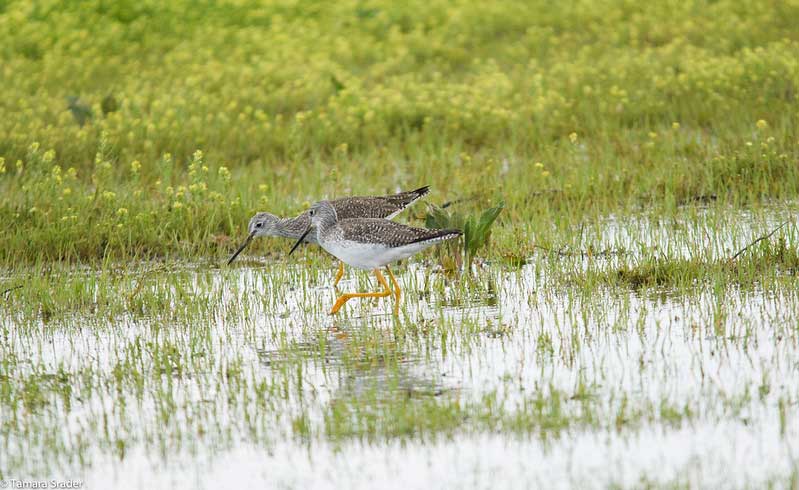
765,261
199,359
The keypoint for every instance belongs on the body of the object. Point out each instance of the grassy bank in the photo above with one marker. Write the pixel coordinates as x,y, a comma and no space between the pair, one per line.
186,118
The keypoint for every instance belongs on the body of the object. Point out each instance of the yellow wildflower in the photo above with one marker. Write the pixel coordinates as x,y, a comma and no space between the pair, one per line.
761,124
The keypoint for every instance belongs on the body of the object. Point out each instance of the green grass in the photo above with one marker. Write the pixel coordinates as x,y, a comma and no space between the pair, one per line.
566,112
766,262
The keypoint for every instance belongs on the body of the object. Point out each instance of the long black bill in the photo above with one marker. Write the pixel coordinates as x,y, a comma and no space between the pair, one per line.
300,240
243,246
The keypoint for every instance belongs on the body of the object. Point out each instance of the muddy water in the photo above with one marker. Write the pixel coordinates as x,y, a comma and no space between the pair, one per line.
694,389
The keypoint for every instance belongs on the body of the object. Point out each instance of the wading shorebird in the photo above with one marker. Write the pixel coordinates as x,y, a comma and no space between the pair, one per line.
368,243
384,207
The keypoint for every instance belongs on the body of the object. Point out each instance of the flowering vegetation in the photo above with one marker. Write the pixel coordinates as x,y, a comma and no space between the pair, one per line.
142,128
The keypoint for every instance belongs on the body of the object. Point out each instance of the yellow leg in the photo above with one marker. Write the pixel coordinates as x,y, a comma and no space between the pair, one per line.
348,296
397,290
339,274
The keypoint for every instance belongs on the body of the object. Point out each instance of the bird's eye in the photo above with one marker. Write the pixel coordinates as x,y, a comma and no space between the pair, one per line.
258,225
311,212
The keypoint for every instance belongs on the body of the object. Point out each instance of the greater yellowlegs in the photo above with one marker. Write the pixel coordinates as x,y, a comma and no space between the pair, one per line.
368,243
386,207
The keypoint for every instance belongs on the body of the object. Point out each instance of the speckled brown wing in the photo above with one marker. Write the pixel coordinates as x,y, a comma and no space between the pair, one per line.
389,233
376,206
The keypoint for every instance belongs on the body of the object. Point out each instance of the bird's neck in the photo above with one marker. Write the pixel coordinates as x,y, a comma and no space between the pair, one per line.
293,227
326,224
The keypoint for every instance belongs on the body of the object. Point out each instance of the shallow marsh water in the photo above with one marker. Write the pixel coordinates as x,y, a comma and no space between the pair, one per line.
531,376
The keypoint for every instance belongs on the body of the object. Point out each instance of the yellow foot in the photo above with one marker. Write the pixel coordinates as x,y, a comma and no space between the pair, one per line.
348,296
339,303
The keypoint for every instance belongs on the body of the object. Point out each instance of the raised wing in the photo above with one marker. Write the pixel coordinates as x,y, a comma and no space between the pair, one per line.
377,206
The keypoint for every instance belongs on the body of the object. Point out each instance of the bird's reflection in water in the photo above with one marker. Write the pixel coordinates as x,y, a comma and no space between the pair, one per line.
357,358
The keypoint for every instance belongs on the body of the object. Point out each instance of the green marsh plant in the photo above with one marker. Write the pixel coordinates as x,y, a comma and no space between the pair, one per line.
476,232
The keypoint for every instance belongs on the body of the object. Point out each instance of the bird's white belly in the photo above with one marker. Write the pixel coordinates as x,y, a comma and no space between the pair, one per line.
369,255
